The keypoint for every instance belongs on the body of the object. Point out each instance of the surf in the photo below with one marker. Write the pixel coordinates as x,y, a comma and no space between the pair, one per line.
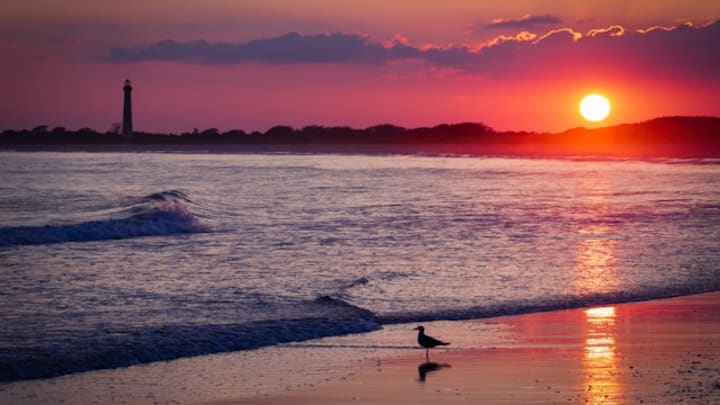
157,214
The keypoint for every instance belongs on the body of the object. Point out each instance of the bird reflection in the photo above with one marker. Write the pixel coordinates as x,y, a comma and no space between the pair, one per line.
425,368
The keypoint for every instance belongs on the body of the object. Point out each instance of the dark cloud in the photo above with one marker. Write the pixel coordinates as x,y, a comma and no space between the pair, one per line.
526,22
686,50
289,48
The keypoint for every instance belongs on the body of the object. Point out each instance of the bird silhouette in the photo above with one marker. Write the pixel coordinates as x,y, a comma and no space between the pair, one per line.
428,342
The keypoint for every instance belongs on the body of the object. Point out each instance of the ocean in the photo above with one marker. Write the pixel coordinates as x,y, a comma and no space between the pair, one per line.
114,259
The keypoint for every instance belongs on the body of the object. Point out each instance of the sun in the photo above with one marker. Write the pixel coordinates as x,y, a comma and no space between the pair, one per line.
594,107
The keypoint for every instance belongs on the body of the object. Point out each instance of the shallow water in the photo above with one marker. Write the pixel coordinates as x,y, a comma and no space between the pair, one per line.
114,259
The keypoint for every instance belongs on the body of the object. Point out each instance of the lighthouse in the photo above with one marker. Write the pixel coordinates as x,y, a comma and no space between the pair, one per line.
127,128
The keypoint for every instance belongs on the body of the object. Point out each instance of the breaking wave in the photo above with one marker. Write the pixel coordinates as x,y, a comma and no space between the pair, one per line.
157,214
520,307
122,347
326,316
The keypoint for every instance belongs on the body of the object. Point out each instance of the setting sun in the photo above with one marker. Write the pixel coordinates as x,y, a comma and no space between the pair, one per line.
594,107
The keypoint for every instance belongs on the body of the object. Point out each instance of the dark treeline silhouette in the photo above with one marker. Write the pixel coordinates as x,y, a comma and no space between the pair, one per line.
668,136
285,135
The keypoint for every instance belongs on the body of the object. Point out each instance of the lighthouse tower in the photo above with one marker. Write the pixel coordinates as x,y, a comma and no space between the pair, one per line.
127,128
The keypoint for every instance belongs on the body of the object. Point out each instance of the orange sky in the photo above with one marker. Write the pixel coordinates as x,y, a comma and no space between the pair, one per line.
232,64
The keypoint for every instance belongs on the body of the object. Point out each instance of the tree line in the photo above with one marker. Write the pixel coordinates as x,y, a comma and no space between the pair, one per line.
665,136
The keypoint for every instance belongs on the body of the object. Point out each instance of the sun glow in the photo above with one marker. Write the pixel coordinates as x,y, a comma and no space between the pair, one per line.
602,312
594,107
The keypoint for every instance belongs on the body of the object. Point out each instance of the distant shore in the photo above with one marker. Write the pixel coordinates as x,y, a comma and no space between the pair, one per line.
669,137
660,351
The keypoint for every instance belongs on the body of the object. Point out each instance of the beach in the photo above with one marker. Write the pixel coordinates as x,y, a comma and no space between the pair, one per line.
328,202
194,286
654,352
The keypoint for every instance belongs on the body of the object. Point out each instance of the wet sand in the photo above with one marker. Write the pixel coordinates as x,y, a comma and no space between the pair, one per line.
654,352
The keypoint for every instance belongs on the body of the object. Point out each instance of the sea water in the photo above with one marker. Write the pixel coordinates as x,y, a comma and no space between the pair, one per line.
114,259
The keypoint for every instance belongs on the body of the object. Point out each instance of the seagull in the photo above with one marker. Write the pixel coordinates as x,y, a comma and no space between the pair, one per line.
428,342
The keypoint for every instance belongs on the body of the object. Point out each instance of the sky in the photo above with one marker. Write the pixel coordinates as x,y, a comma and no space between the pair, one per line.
254,64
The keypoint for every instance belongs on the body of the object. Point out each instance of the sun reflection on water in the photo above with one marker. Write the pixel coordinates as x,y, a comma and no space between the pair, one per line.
600,315
600,362
595,268
596,273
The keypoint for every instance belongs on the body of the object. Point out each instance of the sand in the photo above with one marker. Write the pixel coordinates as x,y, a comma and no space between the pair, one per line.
654,352
664,351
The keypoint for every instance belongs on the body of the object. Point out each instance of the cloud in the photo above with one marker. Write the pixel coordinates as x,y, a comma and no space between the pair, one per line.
289,48
526,22
684,49
576,36
613,31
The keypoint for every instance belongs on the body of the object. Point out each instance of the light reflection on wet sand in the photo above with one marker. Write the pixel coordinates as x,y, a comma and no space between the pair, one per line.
596,272
600,363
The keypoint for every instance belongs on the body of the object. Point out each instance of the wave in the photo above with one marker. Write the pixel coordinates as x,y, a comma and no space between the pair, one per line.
157,214
112,348
122,347
419,311
520,307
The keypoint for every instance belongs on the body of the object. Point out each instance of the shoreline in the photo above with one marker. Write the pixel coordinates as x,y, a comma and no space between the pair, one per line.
657,351
526,150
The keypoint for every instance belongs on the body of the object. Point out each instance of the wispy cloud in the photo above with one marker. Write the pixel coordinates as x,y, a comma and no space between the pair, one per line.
685,49
526,22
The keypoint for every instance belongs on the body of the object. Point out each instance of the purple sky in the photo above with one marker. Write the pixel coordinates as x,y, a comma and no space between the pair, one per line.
251,65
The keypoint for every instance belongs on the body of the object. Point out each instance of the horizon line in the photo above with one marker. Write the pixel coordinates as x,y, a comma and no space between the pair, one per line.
490,128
